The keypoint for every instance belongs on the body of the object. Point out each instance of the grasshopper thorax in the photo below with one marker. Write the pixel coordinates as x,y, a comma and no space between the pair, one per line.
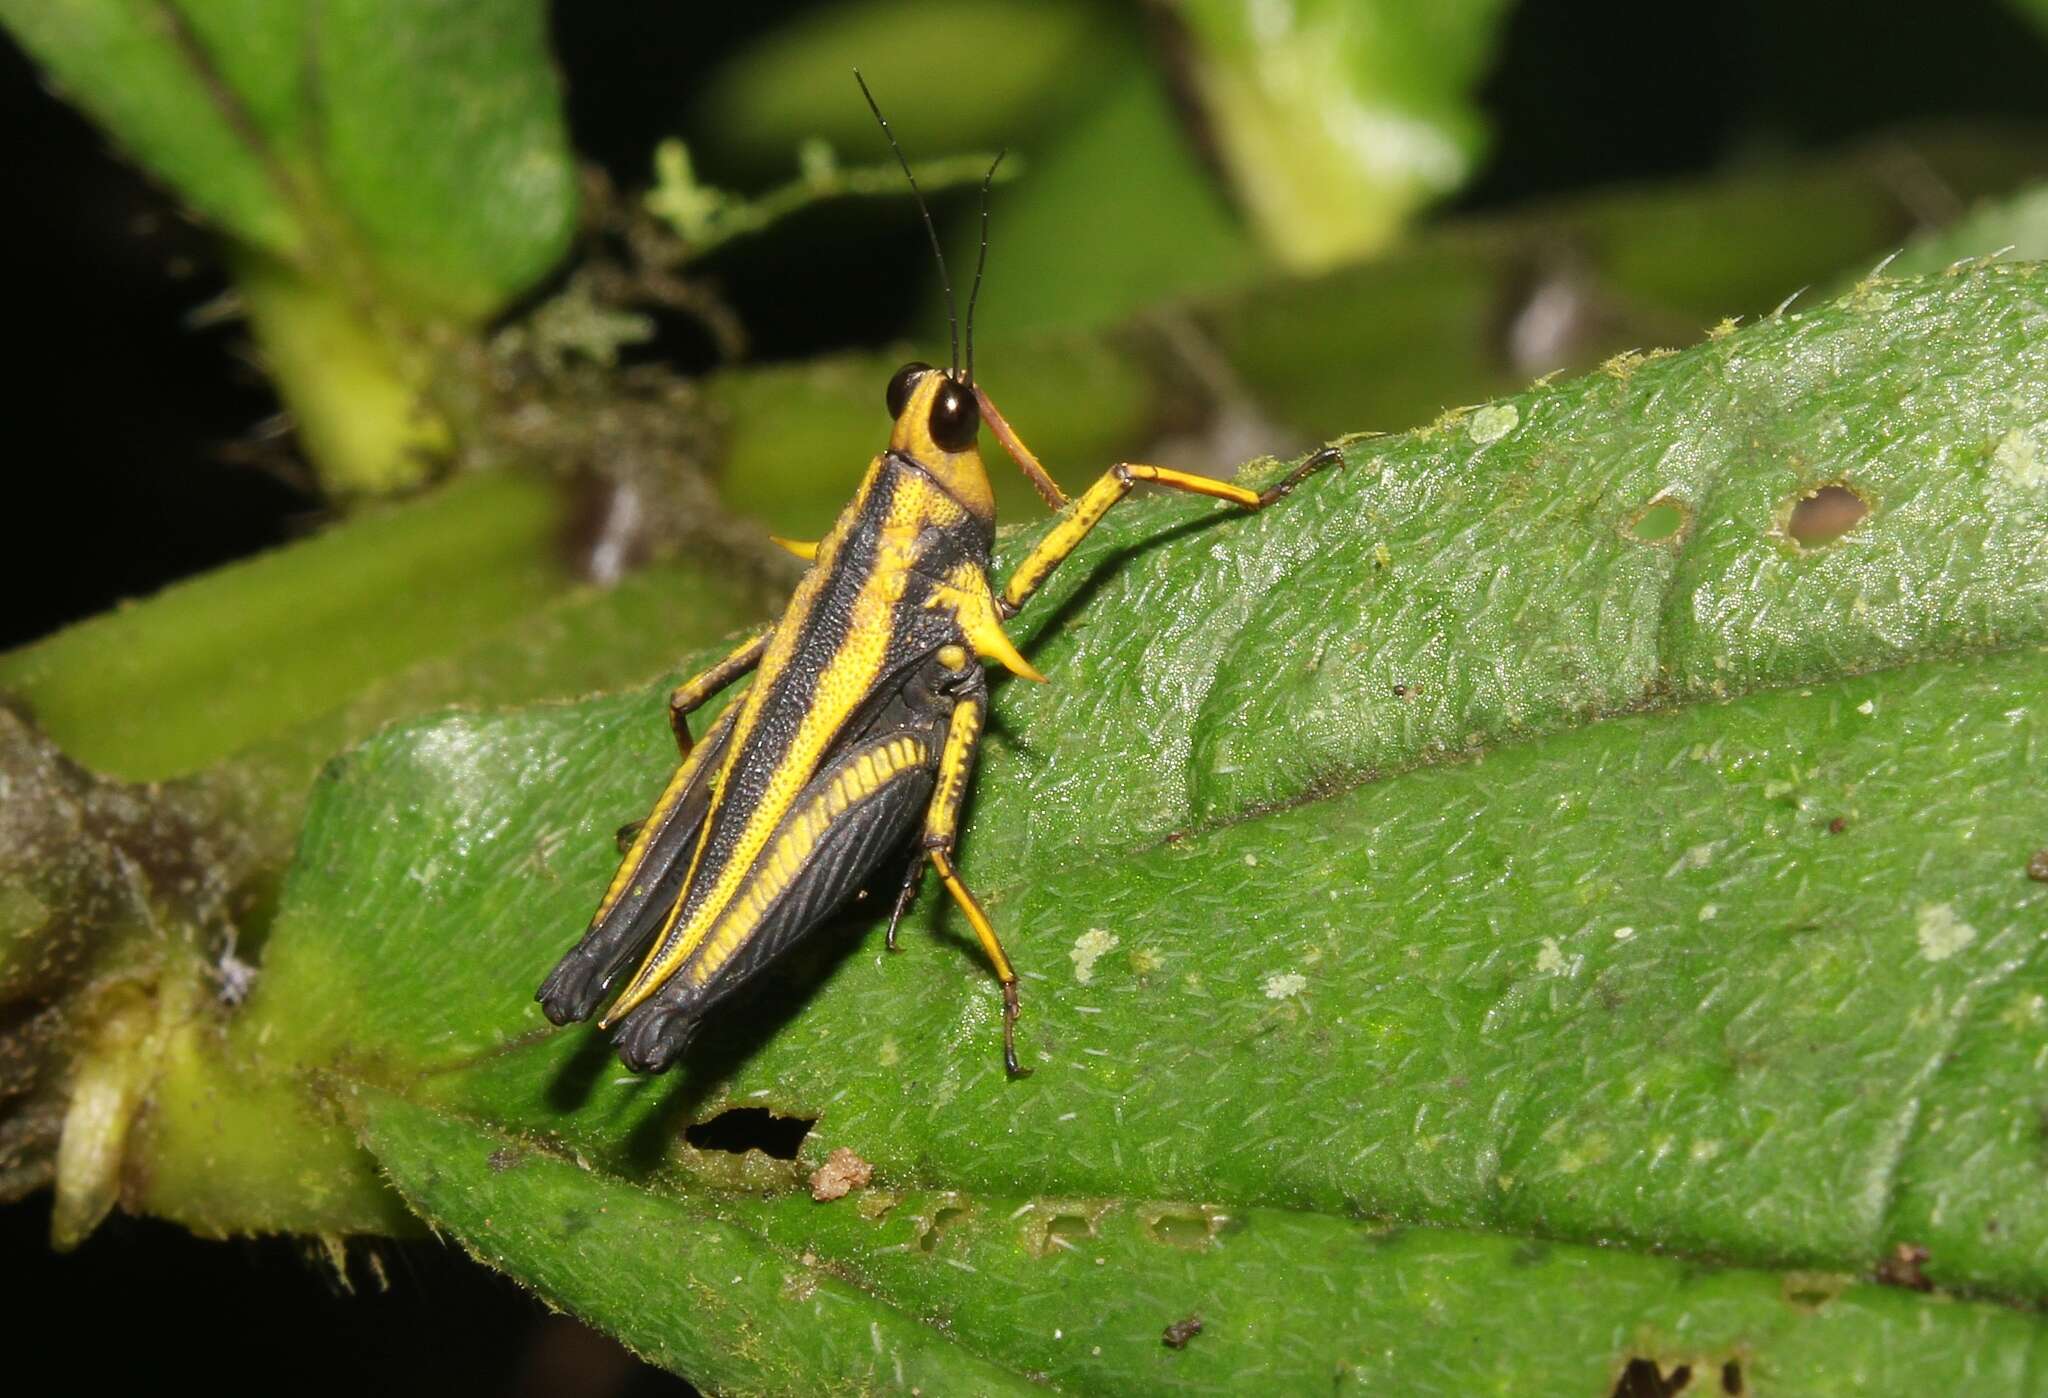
938,426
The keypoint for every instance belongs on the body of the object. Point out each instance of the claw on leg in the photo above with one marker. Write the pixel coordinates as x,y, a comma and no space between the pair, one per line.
1010,1029
913,880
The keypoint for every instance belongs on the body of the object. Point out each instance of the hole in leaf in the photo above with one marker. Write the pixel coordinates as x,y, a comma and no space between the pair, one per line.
1731,1377
1661,521
1825,515
1645,1378
1180,1230
936,1229
1811,1291
1060,1225
1063,1229
742,1129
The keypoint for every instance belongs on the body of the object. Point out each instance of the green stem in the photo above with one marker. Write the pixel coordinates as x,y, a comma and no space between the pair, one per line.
212,665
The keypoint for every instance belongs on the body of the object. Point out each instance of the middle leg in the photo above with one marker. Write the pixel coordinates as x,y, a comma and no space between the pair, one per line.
941,829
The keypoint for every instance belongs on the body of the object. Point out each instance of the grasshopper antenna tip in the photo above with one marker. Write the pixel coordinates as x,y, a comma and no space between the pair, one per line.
930,228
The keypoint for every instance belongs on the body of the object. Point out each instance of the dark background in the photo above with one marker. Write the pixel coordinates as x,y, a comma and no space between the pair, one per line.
137,454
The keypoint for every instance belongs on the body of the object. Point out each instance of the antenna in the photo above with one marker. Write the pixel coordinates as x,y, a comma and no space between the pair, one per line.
952,311
980,261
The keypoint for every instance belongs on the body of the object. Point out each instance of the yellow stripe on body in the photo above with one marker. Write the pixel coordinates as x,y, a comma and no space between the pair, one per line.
786,862
848,678
636,853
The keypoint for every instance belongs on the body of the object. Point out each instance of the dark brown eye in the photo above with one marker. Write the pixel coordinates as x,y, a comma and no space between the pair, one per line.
898,395
956,418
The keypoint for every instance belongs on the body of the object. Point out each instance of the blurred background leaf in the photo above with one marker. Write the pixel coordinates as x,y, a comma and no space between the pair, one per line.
1337,120
306,133
363,204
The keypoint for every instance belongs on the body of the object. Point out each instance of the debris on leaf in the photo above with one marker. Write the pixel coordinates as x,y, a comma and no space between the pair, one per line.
1902,1268
1177,1335
841,1174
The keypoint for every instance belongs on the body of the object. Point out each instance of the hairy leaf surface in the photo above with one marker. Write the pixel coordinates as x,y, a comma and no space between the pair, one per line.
1535,835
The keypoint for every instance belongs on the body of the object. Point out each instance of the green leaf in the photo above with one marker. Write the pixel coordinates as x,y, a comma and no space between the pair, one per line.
929,63
1116,214
381,169
1519,835
698,1280
1117,209
421,147
992,1294
1337,119
461,183
2015,225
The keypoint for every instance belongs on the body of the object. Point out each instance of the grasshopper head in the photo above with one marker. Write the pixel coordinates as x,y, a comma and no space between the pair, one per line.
938,425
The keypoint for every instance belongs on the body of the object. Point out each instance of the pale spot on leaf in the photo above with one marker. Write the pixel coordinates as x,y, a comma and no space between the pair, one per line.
1942,934
2019,460
1285,985
1493,422
1090,947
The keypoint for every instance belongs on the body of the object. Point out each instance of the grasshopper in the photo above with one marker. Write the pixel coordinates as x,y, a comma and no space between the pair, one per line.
858,735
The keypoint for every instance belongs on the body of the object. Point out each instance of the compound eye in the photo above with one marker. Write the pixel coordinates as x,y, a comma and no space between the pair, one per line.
956,417
898,394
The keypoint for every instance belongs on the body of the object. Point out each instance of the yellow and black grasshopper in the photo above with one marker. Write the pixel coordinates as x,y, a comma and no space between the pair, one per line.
862,722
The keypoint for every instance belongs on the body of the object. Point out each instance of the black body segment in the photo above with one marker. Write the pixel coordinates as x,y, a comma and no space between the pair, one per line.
842,829
645,888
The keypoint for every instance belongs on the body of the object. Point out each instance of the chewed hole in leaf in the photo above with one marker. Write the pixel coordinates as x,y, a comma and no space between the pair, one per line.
945,1218
1062,1226
1825,515
1645,1378
1811,1291
1183,1228
1662,521
1064,1229
742,1129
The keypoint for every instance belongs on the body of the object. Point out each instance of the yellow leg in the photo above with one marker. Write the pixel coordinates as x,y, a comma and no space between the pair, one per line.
985,933
941,827
692,693
1114,485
